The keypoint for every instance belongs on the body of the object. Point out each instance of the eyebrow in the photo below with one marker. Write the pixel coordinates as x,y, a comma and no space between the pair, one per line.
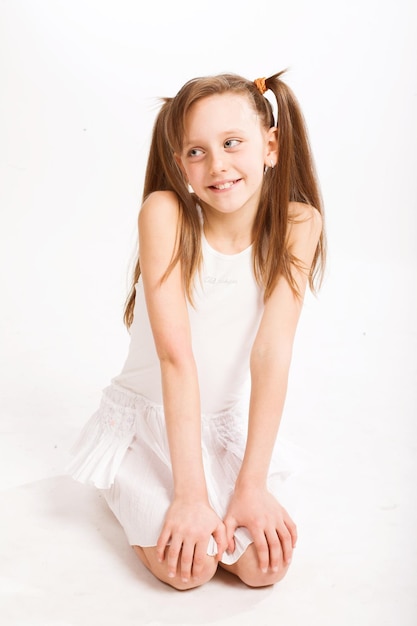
227,133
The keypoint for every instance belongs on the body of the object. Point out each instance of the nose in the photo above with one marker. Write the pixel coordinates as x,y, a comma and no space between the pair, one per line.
217,163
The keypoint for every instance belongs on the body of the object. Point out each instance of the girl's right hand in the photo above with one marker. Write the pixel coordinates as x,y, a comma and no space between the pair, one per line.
185,537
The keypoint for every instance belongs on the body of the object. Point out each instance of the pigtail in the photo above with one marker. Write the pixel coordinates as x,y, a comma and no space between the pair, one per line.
294,145
155,178
163,174
292,180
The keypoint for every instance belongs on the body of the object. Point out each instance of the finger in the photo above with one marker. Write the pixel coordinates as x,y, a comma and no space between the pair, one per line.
220,538
275,550
262,550
230,525
186,561
286,542
199,559
292,528
162,543
293,531
172,557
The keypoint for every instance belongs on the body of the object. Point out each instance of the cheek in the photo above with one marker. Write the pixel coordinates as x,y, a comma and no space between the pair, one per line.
194,172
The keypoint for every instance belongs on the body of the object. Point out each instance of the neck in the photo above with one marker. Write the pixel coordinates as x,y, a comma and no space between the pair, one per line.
227,233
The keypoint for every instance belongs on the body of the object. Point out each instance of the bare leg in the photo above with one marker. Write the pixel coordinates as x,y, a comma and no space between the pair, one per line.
160,570
247,569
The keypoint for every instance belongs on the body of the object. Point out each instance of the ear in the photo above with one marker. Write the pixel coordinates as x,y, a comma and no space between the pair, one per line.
271,147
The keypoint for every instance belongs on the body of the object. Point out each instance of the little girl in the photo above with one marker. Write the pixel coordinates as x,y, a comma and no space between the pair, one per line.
230,235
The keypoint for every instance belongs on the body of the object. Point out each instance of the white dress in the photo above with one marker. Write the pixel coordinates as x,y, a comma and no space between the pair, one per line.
123,449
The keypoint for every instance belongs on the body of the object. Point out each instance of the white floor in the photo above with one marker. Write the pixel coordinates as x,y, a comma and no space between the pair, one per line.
351,407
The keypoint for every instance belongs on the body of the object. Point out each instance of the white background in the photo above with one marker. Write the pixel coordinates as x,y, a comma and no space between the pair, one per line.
80,82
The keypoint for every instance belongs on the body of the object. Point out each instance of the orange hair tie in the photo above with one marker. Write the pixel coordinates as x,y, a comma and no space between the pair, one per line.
261,85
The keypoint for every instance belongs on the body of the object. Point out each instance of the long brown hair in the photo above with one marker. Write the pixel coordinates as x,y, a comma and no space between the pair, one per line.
292,180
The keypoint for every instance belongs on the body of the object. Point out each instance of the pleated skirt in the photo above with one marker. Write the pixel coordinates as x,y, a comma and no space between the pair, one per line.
123,451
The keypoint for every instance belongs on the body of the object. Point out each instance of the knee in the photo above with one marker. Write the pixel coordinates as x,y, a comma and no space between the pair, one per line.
160,570
249,572
253,577
207,573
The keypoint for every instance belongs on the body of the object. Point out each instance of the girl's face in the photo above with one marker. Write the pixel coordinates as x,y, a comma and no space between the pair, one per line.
224,152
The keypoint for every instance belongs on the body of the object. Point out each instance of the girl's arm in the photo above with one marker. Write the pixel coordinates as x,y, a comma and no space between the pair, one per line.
190,520
252,505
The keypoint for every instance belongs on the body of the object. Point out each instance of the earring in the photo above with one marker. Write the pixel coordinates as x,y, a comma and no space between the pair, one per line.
190,189
271,166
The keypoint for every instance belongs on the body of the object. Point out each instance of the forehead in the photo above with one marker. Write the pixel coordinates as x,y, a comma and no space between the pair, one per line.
220,112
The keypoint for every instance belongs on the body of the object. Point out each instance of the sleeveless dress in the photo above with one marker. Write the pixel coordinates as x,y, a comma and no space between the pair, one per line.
123,449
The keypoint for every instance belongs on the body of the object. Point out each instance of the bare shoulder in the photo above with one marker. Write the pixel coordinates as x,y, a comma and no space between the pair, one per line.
158,232
300,212
158,208
305,221
305,226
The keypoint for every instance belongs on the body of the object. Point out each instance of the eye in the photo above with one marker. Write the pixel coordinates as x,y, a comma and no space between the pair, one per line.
195,152
231,143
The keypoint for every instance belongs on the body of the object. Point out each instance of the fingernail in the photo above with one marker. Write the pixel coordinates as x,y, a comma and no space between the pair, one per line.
184,580
171,575
275,569
264,570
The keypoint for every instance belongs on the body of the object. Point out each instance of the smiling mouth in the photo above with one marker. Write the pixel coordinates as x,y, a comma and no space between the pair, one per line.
227,185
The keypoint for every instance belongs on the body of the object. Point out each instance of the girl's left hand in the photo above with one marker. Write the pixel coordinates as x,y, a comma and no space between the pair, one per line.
273,531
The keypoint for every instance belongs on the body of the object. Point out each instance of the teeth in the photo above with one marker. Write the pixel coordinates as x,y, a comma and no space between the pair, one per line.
225,186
